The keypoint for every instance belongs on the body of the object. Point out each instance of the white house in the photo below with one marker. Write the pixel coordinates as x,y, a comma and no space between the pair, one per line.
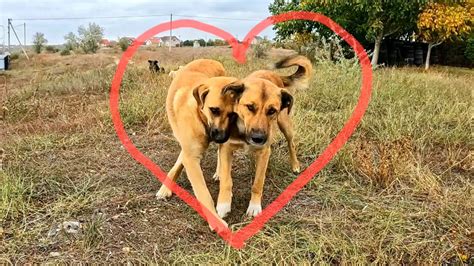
165,41
153,41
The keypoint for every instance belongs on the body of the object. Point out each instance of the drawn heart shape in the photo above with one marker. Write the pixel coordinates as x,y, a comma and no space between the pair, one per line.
237,239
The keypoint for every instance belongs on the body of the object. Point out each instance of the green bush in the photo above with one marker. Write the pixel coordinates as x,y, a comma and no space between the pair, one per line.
51,49
65,52
261,49
14,56
124,43
469,52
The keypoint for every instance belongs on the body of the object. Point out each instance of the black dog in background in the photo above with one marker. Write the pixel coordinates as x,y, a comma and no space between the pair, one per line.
155,67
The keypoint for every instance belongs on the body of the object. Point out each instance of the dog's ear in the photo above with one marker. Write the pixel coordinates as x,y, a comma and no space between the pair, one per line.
149,61
286,100
234,89
200,93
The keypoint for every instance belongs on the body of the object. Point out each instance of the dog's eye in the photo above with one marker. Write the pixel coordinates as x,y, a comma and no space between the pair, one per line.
215,111
251,107
271,111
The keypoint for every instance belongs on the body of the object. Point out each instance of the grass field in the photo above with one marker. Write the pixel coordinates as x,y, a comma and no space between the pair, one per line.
400,191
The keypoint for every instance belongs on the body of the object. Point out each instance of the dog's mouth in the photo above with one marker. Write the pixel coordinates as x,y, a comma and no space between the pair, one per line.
257,140
219,135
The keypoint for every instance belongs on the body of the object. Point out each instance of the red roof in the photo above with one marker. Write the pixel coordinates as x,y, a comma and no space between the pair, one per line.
105,42
155,40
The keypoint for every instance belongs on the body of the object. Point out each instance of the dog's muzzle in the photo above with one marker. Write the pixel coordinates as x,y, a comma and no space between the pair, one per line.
257,137
218,135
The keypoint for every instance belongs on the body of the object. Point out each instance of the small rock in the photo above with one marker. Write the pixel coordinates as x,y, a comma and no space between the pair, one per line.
126,250
54,254
71,227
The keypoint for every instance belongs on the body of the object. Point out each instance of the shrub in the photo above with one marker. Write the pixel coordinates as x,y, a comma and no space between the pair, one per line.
89,37
261,49
124,43
65,51
14,56
39,41
51,49
469,52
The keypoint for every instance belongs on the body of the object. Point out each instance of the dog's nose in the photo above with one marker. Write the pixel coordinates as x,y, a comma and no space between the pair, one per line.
258,137
218,135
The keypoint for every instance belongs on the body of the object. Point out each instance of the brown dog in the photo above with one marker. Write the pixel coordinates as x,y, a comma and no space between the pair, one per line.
198,112
263,101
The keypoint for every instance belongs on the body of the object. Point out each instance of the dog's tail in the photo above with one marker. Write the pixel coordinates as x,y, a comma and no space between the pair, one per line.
299,79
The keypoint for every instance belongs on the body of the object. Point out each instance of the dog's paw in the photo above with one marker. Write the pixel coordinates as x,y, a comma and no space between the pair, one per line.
164,192
223,209
215,176
254,209
296,167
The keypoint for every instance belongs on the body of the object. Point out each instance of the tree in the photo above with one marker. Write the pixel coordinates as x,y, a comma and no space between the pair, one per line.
90,37
124,42
72,42
188,43
219,42
210,42
39,41
469,53
202,42
367,20
440,22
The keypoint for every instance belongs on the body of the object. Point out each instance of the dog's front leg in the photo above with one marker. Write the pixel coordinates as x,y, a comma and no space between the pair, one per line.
224,170
191,162
262,157
216,174
286,127
173,174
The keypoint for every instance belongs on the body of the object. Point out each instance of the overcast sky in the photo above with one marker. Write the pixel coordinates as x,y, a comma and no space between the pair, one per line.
55,30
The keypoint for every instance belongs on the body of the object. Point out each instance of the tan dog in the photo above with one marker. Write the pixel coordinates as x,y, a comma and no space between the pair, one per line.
198,113
263,101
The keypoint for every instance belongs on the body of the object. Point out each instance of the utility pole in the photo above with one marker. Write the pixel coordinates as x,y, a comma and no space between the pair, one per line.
171,31
19,42
9,24
24,34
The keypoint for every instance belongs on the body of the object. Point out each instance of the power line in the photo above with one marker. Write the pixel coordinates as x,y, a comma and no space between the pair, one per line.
136,16
81,18
244,19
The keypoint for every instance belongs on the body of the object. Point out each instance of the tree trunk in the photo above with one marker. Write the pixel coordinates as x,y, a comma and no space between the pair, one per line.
375,56
428,55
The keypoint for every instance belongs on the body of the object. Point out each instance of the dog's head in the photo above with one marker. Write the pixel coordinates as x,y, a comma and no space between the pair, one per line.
216,107
153,63
259,103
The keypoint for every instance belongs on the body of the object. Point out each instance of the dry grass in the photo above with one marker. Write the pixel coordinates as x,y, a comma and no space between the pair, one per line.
400,191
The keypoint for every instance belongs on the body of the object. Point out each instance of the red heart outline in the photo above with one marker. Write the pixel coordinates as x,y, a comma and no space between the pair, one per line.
238,238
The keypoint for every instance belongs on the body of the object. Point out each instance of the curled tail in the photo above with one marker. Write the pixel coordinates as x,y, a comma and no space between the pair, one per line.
299,79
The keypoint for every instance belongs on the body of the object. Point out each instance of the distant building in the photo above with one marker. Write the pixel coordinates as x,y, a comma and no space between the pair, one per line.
104,43
196,44
257,40
153,41
166,41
